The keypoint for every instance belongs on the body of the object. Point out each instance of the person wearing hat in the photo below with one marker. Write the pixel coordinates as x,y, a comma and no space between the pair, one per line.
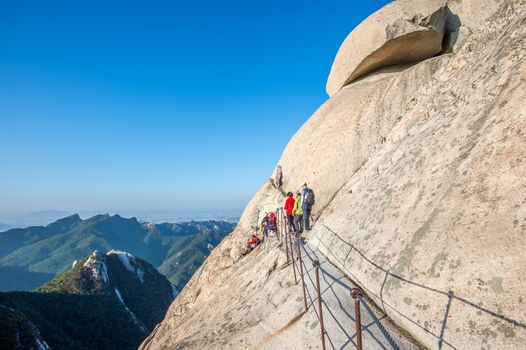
289,206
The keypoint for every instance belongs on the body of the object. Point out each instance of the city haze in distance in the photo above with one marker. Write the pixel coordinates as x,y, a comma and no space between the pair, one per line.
42,218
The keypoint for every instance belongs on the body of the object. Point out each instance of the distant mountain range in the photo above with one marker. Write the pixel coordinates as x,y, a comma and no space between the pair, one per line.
33,255
173,216
44,217
105,301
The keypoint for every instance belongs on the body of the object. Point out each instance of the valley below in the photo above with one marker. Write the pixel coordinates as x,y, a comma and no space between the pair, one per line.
83,284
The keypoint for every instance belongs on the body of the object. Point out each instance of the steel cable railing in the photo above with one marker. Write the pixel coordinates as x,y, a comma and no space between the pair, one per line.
375,319
285,237
386,334
298,264
450,295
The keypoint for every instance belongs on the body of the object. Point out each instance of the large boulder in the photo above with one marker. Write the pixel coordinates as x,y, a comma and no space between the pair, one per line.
401,32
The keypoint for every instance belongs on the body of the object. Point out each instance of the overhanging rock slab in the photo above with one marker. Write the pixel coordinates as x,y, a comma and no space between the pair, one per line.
401,32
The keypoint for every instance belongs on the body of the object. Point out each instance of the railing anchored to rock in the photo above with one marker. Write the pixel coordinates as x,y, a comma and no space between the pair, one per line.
286,236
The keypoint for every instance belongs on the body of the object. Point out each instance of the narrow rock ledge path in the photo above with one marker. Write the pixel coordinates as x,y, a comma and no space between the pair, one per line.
338,307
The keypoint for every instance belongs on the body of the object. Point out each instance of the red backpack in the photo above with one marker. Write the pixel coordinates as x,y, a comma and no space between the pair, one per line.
272,218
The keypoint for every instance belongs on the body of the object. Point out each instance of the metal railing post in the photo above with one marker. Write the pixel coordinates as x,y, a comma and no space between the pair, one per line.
316,265
278,224
293,260
281,225
285,231
301,273
354,293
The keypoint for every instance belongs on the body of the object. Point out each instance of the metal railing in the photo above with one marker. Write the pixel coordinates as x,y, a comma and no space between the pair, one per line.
357,295
451,296
298,264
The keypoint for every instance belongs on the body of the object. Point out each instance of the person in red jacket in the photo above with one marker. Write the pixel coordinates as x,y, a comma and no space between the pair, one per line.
253,243
289,206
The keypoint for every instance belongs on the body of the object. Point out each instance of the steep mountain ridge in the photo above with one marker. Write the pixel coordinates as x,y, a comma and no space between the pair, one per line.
42,251
420,188
142,290
118,296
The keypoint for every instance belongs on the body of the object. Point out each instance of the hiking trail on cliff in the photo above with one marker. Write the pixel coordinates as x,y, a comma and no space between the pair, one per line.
418,164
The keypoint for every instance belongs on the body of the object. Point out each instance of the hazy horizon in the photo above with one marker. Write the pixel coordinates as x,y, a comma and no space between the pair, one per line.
10,220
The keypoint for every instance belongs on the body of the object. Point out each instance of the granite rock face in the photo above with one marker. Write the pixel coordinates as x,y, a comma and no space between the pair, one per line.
419,172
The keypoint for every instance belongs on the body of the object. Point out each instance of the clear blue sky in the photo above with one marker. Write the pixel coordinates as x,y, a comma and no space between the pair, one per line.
154,105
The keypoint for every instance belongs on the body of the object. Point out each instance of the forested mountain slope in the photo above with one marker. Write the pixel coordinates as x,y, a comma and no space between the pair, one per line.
33,255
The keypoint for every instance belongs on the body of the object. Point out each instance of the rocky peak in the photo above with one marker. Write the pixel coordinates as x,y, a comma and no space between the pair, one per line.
65,223
96,264
129,262
138,286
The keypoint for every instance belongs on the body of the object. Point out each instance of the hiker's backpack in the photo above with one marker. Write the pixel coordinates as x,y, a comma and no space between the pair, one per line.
272,218
308,197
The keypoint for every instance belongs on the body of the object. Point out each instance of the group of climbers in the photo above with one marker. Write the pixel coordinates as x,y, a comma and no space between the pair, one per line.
297,211
268,224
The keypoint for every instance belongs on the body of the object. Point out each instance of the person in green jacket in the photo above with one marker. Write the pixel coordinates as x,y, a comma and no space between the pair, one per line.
298,214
